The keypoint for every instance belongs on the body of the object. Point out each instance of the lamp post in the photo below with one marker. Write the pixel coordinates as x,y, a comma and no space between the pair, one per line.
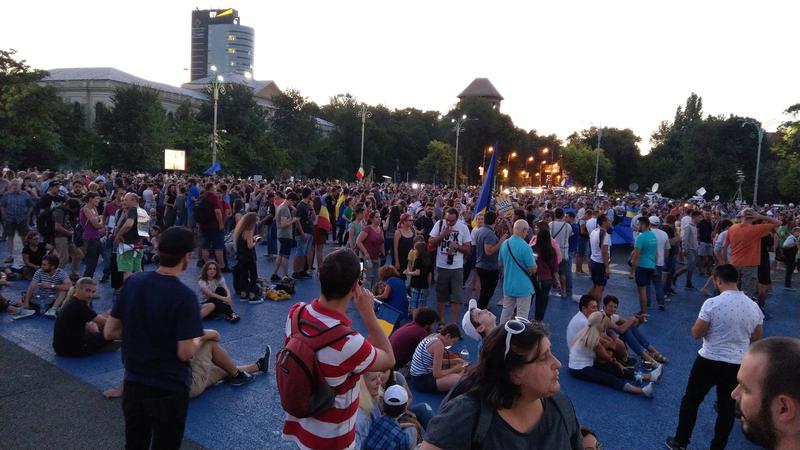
508,159
216,88
758,157
483,167
528,161
458,127
597,158
364,113
546,151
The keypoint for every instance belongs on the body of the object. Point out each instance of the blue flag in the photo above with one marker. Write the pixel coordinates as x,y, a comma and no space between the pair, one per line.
486,190
213,169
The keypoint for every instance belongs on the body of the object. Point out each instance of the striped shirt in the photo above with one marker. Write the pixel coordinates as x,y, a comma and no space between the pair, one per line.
422,361
40,276
342,365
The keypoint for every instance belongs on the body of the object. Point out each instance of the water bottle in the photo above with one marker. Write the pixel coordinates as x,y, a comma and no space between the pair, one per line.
638,373
464,354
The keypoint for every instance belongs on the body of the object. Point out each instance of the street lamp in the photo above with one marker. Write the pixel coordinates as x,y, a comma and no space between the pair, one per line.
458,127
216,80
528,161
758,157
508,160
489,151
597,158
545,151
364,113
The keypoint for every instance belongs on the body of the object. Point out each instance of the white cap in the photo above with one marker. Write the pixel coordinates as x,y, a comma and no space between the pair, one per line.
396,395
466,323
654,220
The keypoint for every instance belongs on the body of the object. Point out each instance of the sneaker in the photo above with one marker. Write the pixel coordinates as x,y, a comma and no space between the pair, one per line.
790,289
241,378
661,308
673,444
305,275
655,375
647,390
275,277
22,313
256,300
263,362
233,318
286,279
243,297
51,313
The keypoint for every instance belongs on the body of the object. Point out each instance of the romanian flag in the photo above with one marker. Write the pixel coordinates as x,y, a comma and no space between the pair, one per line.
324,219
486,190
360,173
339,203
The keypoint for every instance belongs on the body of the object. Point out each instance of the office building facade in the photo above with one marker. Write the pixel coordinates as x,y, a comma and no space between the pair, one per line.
218,39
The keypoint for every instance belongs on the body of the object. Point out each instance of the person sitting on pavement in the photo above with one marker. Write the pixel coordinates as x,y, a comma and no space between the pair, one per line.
406,338
394,292
369,399
33,250
630,333
385,433
420,413
591,359
49,282
17,312
477,323
212,364
79,329
431,370
214,295
516,380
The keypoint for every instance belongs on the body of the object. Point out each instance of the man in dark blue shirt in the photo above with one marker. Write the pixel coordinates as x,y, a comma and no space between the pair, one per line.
158,318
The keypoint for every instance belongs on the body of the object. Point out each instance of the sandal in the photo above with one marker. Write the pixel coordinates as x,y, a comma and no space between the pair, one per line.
660,358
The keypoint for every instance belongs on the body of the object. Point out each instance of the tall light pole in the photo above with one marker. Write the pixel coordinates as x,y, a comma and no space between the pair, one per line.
597,159
364,113
458,127
758,157
216,80
483,167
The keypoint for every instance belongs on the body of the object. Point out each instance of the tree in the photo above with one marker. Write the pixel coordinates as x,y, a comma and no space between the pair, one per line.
193,136
29,115
135,130
621,147
79,142
787,151
580,161
438,164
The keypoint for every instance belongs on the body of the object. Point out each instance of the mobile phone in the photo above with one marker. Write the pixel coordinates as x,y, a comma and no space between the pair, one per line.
361,275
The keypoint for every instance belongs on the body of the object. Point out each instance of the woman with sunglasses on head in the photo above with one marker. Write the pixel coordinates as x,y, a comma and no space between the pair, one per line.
511,398
591,359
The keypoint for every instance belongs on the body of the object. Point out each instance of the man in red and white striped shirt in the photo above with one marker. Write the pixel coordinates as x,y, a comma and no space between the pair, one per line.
344,361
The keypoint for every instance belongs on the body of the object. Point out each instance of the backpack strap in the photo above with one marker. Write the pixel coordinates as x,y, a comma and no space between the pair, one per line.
563,404
324,338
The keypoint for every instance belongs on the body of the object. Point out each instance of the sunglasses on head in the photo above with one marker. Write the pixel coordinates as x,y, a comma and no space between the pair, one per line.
514,326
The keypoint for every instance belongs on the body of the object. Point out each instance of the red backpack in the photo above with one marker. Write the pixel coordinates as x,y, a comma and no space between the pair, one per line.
302,388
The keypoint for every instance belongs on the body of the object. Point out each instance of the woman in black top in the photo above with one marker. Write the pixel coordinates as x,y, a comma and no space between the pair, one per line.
403,243
32,253
245,273
764,270
169,206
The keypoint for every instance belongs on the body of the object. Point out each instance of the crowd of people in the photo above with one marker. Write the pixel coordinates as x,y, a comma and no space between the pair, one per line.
406,248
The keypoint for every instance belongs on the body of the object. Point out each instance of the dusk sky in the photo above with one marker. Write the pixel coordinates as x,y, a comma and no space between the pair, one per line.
559,65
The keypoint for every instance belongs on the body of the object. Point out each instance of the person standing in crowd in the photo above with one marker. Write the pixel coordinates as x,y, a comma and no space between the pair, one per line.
643,262
487,248
768,395
600,258
127,239
93,230
109,218
15,209
344,361
790,257
285,222
424,223
452,240
157,317
305,232
744,240
547,268
517,380
519,265
727,323
561,232
370,245
65,219
403,243
705,248
662,250
672,257
214,231
583,240
689,246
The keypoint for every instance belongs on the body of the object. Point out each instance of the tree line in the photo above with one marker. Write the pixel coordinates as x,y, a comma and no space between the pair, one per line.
39,129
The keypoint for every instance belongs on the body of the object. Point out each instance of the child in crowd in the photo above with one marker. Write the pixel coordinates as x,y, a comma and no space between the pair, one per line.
421,274
385,432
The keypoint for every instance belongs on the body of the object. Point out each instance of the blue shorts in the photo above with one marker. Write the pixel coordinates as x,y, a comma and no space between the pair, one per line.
598,271
644,276
285,247
419,298
303,245
213,239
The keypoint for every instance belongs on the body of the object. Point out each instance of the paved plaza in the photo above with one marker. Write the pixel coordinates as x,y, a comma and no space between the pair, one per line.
54,402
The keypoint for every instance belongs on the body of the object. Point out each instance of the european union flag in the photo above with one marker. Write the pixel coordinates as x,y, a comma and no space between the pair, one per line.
213,169
486,190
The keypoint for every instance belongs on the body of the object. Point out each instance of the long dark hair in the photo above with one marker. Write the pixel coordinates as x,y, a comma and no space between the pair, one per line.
491,378
544,246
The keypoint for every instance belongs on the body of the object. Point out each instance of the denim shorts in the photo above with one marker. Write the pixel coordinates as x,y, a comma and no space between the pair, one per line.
303,245
213,239
419,298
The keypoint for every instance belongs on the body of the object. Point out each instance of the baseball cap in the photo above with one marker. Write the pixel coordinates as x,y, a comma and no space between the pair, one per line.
396,395
654,220
466,323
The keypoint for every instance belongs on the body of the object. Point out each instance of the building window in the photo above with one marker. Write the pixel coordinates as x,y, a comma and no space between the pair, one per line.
231,37
231,50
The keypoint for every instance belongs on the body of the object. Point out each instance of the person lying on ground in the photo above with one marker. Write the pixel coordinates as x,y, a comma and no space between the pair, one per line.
212,364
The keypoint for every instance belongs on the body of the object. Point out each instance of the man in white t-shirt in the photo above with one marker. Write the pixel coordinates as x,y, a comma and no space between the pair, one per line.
727,323
661,251
600,260
452,241
587,306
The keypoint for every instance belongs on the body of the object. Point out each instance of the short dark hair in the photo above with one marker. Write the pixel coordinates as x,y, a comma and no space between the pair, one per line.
601,219
644,221
293,197
51,259
491,377
451,330
338,272
173,245
451,211
306,192
426,316
585,300
695,213
394,411
610,299
559,213
490,218
726,273
782,367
